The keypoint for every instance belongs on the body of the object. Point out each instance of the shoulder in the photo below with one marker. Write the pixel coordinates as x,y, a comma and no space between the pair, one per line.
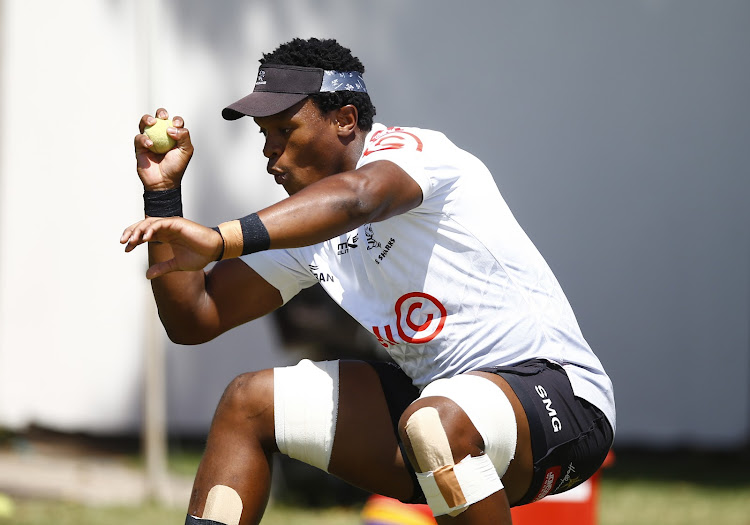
402,139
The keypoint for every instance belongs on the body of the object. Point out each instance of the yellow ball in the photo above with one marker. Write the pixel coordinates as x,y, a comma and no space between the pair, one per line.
158,134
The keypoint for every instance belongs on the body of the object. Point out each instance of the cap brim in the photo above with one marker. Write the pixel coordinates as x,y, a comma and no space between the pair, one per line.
261,104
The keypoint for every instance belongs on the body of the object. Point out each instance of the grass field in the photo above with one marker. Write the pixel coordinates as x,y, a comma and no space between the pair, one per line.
676,489
640,489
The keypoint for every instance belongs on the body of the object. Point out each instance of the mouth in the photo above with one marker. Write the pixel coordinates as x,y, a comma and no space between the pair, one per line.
279,176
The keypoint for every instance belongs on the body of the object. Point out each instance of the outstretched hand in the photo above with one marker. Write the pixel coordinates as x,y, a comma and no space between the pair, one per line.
193,245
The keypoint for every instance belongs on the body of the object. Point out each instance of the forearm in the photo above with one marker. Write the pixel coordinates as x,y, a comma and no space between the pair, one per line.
181,299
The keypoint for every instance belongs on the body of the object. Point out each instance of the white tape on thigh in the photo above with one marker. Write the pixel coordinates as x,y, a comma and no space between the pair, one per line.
488,409
306,402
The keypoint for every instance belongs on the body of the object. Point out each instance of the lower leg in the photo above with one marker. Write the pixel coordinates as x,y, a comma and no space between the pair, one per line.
240,447
493,510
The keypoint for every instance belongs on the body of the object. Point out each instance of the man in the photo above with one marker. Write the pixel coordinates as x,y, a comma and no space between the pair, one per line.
497,399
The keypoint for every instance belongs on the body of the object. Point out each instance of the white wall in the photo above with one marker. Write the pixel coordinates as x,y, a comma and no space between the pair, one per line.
70,308
617,132
76,78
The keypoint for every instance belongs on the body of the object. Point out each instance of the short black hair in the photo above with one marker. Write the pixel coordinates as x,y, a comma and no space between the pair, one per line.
330,55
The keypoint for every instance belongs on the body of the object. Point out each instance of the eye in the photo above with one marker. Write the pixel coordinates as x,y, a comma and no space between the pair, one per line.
286,131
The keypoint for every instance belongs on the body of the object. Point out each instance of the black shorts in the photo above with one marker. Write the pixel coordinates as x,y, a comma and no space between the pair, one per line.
570,437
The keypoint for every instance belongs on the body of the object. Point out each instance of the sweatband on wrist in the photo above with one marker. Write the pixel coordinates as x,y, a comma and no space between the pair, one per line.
164,203
244,236
223,243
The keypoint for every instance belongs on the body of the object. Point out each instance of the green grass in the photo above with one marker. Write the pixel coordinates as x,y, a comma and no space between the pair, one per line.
686,488
640,489
56,513
672,504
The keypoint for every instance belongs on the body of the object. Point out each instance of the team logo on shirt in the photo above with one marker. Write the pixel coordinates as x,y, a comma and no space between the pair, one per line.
323,277
372,243
420,317
384,252
393,138
351,242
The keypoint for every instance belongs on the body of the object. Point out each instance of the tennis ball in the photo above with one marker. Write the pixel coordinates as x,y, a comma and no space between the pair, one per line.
7,508
158,134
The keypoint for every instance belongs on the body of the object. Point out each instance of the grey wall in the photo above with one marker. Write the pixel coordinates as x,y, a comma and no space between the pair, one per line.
619,134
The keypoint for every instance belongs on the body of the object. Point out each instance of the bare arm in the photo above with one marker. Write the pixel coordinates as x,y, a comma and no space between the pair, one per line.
198,306
332,206
195,307
340,203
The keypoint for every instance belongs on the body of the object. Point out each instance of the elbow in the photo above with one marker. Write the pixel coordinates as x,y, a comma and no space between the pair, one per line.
181,338
360,211
376,196
363,205
186,333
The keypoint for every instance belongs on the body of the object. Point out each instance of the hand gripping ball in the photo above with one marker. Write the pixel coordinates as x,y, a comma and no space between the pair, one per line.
158,134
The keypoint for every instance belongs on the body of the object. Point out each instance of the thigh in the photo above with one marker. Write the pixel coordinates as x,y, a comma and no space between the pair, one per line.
366,450
517,478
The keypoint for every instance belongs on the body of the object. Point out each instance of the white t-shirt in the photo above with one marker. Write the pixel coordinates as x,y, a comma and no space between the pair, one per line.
451,285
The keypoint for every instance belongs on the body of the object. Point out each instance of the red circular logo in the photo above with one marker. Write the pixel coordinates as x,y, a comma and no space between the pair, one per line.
419,317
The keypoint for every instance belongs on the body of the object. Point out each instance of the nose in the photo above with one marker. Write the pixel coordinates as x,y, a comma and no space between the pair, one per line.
272,147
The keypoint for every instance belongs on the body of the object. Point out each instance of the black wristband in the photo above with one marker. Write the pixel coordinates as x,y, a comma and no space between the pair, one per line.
223,243
255,236
164,203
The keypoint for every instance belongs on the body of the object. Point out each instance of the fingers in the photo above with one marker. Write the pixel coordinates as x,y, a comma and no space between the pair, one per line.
142,231
146,120
177,131
182,136
142,144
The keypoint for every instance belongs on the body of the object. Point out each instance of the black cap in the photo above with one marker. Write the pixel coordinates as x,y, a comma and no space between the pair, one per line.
279,87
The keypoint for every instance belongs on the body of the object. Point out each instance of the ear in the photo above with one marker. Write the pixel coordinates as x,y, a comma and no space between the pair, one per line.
346,120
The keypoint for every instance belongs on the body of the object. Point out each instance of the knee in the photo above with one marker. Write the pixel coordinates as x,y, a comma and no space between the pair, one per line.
446,451
460,436
439,426
248,397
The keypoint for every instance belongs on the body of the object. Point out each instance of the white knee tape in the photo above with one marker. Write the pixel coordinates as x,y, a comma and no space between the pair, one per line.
448,488
488,409
452,489
306,401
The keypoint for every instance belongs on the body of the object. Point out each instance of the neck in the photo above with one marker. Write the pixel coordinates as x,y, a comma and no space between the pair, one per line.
354,150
